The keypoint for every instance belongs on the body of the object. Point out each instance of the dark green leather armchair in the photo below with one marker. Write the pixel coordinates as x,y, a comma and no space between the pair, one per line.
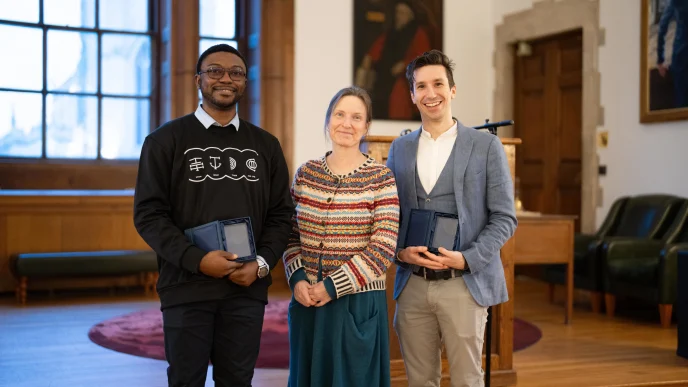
637,217
584,277
646,269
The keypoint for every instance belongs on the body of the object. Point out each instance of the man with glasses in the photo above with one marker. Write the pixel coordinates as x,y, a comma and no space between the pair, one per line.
199,168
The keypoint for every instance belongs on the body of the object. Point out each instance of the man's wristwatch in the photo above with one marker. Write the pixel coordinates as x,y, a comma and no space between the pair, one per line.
263,268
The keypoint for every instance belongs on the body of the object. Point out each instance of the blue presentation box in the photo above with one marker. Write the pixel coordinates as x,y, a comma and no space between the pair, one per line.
433,230
232,235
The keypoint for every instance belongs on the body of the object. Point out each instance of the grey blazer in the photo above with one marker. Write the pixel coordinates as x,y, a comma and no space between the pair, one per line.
485,200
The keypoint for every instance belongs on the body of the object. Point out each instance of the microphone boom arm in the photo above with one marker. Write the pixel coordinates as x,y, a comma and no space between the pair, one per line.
492,127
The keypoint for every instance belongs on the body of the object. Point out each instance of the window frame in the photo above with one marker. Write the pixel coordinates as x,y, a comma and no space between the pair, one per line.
173,94
153,98
240,37
238,24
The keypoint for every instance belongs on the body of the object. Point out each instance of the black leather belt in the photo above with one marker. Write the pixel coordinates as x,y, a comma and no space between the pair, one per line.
434,275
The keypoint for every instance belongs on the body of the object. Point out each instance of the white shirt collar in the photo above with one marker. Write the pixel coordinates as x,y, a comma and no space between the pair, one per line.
433,155
450,133
209,121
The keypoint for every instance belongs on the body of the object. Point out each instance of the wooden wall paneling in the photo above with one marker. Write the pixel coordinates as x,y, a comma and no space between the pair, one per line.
288,94
275,98
178,51
277,72
44,174
184,42
250,107
4,250
34,232
272,71
94,231
49,221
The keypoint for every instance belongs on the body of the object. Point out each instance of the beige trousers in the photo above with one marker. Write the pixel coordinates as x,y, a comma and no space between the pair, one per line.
432,313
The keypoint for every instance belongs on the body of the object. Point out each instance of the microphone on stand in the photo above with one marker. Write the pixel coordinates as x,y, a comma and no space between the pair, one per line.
492,127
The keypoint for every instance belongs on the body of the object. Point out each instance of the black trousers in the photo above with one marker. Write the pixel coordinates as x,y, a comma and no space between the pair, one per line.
226,332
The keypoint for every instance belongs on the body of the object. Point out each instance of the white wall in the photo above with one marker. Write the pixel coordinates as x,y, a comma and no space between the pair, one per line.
501,8
323,55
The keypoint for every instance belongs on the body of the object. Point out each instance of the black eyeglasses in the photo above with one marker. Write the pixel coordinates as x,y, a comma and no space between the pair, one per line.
219,72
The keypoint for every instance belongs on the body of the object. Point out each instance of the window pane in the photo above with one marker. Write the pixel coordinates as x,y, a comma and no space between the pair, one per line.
72,13
25,71
126,123
23,11
205,44
126,64
123,15
217,18
72,126
72,61
20,124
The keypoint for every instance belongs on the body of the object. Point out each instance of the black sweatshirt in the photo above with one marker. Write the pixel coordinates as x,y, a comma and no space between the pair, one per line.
188,176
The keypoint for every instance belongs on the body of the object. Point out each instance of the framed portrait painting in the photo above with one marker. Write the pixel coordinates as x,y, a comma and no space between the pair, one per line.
664,60
388,34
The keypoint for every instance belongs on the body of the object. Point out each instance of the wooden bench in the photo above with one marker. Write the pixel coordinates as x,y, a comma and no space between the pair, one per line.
84,264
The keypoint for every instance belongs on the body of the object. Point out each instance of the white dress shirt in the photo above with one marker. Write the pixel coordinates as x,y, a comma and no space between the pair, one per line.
209,121
433,155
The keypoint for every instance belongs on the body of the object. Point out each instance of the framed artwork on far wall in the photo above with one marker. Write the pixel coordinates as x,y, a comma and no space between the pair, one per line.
388,34
664,60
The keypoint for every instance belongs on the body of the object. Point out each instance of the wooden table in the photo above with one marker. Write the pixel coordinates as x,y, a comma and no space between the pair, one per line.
547,239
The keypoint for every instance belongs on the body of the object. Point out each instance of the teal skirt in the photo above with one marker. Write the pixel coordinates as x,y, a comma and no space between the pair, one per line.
344,343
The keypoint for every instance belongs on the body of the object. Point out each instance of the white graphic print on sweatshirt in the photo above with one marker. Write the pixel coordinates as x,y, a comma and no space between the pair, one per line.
216,164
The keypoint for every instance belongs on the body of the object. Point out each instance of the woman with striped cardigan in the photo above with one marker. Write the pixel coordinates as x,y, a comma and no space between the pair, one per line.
343,240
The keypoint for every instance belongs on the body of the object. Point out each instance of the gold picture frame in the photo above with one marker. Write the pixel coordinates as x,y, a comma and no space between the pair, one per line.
658,87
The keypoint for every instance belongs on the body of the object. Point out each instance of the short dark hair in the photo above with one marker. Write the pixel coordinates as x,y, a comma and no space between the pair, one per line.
354,91
219,48
428,58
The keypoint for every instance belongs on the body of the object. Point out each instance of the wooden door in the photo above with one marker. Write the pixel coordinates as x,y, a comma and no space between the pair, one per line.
548,92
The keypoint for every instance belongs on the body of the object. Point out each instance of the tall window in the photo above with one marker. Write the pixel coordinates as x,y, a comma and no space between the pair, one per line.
217,23
76,78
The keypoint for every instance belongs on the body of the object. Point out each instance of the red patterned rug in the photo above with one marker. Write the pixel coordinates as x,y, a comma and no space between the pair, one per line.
140,333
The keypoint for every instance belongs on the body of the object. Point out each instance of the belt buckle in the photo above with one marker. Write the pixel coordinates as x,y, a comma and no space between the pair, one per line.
447,274
433,277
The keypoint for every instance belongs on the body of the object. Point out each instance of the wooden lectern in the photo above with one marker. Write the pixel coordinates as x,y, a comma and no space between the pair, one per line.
502,372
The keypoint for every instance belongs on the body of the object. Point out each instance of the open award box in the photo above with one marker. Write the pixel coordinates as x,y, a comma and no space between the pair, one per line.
232,235
433,230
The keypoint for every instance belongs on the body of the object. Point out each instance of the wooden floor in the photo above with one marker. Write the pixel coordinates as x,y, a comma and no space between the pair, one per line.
630,349
46,344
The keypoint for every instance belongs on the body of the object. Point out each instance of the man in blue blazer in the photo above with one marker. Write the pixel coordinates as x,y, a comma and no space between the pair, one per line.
448,167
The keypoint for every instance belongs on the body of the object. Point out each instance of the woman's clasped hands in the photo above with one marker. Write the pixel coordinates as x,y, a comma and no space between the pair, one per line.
311,295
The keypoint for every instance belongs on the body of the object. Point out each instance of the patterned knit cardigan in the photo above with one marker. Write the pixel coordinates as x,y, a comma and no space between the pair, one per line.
345,224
